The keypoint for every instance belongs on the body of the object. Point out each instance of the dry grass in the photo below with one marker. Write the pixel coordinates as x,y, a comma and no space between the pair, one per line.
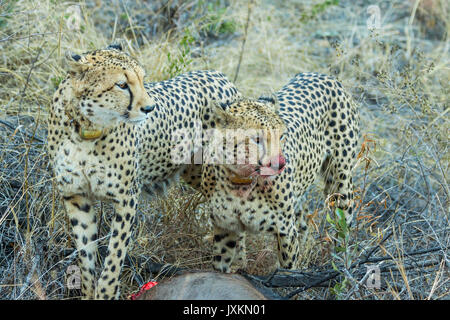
399,75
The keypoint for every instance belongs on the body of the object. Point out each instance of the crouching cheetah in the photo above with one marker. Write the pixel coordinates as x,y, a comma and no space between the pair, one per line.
307,128
109,134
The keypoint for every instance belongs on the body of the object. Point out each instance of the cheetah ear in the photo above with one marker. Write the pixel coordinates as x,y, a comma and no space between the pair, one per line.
117,44
271,100
77,63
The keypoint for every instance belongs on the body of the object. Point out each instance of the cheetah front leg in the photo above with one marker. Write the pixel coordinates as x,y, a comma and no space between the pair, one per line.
108,284
84,228
225,245
288,244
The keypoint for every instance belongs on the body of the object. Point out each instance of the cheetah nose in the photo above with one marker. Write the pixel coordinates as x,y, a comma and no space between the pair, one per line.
277,162
147,109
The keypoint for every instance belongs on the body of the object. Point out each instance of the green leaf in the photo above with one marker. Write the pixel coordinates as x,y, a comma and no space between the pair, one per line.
341,220
344,227
340,212
331,221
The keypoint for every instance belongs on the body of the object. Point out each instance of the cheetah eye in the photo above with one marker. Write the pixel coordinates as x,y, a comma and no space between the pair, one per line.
122,85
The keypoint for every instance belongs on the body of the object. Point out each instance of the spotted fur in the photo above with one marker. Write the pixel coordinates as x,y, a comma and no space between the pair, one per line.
132,124
318,124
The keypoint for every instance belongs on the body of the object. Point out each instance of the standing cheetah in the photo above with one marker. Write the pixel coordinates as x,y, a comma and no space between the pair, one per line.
109,134
309,127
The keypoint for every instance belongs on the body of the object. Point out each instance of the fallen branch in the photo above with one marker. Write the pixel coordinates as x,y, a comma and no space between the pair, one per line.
14,128
305,280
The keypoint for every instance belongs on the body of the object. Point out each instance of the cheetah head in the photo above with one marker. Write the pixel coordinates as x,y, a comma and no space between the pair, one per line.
255,131
108,86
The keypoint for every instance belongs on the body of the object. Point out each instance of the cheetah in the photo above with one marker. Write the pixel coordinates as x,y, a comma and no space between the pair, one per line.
308,128
109,138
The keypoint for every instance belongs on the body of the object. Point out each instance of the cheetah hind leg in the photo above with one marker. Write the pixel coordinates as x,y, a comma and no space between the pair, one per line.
338,186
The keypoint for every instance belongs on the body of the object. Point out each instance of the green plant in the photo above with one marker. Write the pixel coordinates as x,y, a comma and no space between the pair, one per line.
180,62
6,12
56,80
344,253
215,23
317,8
346,245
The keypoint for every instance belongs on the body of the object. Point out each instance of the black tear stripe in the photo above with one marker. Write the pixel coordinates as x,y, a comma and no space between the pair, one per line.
131,95
131,99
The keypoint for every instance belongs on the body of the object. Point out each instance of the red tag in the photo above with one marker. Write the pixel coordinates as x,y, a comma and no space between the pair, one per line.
144,288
